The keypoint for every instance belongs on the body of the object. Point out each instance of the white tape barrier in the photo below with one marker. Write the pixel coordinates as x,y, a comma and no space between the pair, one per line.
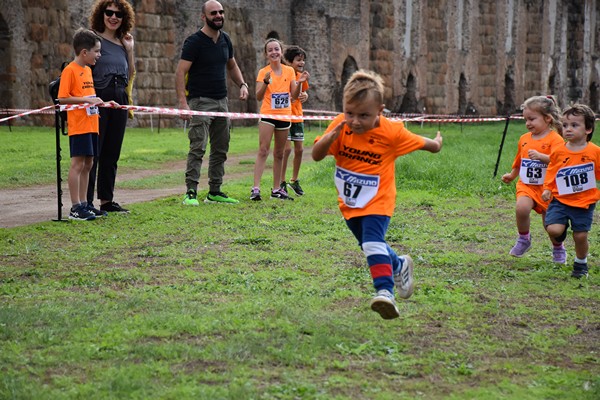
236,115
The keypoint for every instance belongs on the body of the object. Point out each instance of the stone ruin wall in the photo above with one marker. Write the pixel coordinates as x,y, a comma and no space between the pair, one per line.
436,56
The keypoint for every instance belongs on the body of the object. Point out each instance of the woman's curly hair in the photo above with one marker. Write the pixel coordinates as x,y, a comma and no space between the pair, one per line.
97,16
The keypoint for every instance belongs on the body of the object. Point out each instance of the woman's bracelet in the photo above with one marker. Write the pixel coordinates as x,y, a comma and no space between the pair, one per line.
244,84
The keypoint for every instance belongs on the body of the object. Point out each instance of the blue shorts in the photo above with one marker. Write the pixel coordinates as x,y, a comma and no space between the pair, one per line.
296,132
580,218
85,144
279,125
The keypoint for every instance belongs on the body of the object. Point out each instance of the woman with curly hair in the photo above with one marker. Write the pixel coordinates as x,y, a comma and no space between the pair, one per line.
113,21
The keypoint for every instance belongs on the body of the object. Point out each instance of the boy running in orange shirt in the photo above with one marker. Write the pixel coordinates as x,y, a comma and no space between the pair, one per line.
365,146
571,183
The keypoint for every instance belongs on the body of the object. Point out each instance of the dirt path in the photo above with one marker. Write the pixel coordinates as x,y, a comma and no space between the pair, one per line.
24,206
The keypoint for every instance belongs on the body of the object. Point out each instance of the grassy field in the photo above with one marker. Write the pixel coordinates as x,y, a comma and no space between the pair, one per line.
269,300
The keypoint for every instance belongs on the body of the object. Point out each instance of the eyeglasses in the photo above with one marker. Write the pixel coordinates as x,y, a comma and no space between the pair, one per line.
110,13
213,13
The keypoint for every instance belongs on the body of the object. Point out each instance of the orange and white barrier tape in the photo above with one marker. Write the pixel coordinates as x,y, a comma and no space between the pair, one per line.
237,115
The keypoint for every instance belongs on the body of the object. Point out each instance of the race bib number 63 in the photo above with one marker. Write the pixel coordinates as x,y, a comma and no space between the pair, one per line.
532,172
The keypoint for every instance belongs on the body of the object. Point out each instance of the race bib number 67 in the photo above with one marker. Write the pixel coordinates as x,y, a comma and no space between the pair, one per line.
575,179
355,190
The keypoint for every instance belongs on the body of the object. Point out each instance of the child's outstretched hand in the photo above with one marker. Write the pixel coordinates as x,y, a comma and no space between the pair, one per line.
546,195
534,154
507,178
111,103
303,77
434,145
303,96
321,147
267,78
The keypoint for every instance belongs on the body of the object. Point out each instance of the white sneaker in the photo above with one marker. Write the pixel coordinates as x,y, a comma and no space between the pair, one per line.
403,280
384,304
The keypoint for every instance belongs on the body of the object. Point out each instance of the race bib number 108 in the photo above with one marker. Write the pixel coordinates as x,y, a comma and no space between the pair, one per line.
575,179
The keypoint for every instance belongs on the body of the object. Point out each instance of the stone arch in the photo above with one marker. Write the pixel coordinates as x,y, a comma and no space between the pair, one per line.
463,87
509,93
594,97
6,73
410,104
350,66
552,84
273,35
16,56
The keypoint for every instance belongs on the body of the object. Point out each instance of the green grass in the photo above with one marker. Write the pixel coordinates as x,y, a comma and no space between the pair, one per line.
270,300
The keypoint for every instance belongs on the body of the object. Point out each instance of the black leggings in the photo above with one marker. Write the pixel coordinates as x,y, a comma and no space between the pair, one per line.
112,132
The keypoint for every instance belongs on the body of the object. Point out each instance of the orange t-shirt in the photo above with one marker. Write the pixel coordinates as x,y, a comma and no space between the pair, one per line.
573,175
365,166
533,172
297,104
278,97
77,81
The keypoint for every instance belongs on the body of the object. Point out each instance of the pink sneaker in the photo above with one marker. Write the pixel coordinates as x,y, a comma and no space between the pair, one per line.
521,247
559,254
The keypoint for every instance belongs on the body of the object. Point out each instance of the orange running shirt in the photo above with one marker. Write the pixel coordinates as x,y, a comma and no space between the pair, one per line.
77,81
573,175
297,104
277,99
533,172
365,166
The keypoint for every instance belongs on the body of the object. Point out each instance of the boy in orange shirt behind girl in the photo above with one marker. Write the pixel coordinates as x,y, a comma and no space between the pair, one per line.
276,87
365,146
76,87
542,118
295,57
571,182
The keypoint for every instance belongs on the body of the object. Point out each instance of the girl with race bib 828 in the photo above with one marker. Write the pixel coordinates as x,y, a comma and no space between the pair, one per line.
531,162
277,88
365,146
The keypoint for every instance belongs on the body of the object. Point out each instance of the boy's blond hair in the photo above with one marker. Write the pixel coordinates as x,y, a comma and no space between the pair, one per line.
363,84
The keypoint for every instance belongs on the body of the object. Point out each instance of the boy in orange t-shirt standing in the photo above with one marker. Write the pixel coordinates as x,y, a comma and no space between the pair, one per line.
571,183
295,56
76,87
365,146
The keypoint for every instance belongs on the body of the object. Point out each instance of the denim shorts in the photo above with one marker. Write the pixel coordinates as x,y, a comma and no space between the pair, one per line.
580,218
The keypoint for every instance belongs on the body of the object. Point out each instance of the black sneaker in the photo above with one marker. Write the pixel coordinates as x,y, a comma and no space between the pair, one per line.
95,211
112,206
296,187
280,194
80,213
255,194
580,270
283,186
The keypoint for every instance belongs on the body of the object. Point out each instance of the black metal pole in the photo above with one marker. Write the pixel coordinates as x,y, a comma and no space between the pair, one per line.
501,145
58,158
